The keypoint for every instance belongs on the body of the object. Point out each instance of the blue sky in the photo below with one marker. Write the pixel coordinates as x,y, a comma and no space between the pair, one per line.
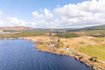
23,8
51,13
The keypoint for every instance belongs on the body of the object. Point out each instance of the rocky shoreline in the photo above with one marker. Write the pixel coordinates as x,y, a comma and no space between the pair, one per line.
86,62
93,65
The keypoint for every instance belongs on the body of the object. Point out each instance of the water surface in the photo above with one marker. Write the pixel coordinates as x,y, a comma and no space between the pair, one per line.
21,55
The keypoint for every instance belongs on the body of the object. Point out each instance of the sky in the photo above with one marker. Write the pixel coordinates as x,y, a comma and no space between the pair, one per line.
52,13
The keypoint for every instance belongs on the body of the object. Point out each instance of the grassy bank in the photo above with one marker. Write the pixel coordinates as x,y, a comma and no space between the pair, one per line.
94,51
75,47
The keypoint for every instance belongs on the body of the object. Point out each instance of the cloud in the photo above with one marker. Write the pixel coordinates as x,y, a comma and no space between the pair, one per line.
43,18
0,12
91,12
86,13
15,21
43,15
11,22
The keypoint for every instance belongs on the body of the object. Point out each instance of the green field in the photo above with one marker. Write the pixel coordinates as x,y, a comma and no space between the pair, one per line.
22,34
95,51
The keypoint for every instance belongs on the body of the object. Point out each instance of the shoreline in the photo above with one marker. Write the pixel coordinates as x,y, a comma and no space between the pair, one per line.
63,55
92,65
58,53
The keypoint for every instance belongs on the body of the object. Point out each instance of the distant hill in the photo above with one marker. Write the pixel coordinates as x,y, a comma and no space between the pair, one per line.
20,28
96,31
100,27
15,28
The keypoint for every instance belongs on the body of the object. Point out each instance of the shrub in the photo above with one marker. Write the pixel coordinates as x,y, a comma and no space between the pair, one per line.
67,35
93,59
